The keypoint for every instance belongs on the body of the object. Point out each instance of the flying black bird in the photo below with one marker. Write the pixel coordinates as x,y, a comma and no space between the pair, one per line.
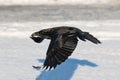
63,42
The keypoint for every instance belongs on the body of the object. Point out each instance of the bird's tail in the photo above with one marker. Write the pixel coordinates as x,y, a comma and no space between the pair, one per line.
86,36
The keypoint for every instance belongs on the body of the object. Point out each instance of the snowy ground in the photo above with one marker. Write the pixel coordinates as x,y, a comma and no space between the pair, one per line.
54,2
88,62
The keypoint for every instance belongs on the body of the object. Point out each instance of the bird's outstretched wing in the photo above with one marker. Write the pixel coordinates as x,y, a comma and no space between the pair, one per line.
85,35
59,49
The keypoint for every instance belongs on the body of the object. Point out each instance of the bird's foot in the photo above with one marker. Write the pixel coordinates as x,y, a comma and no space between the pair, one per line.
37,67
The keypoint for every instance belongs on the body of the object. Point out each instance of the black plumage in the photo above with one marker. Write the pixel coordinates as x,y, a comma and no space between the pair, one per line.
63,42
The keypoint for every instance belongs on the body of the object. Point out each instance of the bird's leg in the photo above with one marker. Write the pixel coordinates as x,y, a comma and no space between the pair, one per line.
37,67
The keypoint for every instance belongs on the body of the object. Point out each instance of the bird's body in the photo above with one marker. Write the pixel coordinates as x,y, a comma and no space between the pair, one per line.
64,40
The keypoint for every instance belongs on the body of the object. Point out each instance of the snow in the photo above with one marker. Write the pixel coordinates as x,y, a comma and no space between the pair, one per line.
54,2
88,62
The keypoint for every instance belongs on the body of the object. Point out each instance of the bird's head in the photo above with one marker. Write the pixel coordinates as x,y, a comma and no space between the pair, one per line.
40,35
36,36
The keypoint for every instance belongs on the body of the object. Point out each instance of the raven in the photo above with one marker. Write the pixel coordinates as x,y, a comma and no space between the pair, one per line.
63,43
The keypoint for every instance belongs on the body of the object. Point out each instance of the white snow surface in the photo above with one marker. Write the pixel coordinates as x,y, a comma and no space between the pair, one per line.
88,62
54,2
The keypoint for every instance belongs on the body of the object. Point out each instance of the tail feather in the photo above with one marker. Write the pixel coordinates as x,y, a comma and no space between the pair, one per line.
85,35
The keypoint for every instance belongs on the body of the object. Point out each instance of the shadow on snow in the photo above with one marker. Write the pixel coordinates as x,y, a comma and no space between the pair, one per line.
65,71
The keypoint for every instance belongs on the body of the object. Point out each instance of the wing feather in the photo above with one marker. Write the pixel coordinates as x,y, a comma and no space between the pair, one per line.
59,50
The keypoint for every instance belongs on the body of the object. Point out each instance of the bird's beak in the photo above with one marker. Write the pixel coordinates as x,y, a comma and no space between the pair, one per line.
31,36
